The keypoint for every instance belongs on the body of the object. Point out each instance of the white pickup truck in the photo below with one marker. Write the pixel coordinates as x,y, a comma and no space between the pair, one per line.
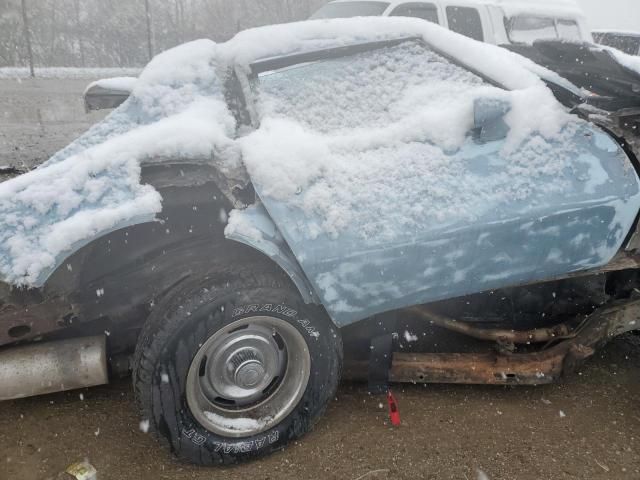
493,21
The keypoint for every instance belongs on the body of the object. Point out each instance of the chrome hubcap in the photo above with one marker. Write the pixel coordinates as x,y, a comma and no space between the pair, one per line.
249,373
248,376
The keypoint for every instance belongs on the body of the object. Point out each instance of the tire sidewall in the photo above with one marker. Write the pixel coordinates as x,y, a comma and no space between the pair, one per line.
197,318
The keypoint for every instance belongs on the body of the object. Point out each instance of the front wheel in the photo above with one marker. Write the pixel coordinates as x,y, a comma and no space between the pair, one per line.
227,373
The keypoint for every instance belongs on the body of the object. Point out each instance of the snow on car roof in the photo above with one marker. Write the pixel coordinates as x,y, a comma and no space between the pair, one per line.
178,110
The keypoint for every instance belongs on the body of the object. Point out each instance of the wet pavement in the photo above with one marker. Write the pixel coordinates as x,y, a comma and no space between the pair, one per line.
39,117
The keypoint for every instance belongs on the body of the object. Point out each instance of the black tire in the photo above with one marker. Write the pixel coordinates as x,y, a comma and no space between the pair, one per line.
183,322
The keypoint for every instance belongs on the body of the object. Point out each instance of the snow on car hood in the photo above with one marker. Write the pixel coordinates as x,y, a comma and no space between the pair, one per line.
177,109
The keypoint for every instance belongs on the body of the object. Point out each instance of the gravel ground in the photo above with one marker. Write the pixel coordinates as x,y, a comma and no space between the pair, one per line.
586,427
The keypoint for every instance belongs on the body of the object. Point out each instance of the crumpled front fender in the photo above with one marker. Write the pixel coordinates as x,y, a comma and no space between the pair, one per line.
255,228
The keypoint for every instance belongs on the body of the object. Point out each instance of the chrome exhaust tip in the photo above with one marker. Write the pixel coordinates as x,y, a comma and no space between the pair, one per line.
50,367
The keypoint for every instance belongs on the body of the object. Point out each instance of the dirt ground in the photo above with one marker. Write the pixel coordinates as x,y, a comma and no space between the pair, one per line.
585,428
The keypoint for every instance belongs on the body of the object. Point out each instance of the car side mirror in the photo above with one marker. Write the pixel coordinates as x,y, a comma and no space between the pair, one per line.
488,119
108,93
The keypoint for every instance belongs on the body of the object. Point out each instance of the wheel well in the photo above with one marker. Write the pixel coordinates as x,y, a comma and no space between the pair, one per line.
114,282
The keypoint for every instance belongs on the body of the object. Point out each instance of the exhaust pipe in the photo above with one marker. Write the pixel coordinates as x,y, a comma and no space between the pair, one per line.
53,367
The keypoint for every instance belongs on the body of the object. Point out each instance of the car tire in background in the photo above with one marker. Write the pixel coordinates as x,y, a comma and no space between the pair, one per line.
228,371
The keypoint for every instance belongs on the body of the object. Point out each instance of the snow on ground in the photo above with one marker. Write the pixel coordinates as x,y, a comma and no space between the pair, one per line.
177,109
67,72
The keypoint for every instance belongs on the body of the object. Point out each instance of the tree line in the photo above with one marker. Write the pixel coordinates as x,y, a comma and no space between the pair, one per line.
126,33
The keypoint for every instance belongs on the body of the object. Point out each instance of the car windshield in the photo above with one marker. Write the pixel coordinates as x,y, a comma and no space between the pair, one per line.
351,9
526,29
373,88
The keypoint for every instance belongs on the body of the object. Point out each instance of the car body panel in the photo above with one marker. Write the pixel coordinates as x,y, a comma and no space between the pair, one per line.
581,228
264,236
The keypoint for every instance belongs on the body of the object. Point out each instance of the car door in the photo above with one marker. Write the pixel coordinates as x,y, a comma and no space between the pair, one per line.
378,178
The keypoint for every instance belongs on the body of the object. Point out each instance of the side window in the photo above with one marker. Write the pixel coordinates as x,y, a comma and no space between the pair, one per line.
623,43
528,29
426,11
465,21
568,30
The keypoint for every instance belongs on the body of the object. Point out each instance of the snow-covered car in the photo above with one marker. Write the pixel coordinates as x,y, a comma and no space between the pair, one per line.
500,22
625,41
252,204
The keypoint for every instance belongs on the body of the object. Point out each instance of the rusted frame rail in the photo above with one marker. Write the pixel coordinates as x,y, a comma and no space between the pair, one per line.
536,368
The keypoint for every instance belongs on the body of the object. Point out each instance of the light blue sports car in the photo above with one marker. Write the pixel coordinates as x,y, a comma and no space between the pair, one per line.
447,210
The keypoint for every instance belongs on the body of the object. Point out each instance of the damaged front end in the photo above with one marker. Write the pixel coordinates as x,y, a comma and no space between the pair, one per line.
610,84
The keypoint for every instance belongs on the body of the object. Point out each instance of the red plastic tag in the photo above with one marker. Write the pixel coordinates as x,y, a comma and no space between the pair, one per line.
394,413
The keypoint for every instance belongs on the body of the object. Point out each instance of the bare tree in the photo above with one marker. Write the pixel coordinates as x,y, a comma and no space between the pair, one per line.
79,33
125,33
27,37
147,12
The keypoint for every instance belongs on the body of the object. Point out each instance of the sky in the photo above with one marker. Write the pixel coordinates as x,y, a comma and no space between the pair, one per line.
619,14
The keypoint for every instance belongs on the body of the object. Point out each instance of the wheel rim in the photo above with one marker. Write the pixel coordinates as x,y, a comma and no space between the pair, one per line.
247,377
